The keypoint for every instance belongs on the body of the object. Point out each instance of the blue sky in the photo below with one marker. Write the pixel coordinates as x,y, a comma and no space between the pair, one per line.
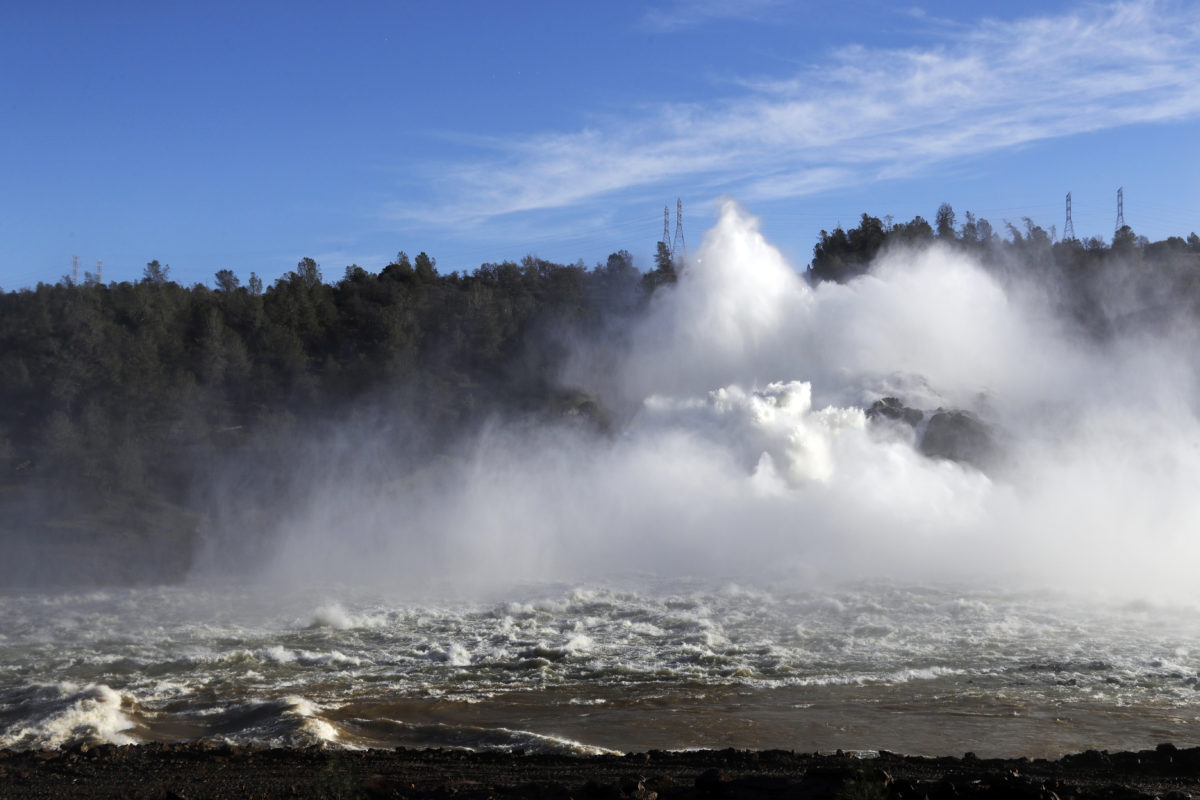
248,135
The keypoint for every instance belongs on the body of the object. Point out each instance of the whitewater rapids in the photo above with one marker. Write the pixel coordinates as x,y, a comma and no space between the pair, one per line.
652,664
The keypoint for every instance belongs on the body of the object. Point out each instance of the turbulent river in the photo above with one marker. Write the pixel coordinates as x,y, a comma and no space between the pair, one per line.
652,664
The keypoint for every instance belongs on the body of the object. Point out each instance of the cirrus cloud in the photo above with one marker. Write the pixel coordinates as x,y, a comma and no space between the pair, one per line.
862,114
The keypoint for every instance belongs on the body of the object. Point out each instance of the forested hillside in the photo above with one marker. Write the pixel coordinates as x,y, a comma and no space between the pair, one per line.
122,404
113,397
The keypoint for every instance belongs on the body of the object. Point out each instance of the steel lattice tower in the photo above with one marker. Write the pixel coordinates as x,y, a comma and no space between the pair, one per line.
678,245
667,227
1120,208
1069,228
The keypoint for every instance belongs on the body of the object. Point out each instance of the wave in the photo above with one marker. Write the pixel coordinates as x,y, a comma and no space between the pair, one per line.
64,714
291,721
472,737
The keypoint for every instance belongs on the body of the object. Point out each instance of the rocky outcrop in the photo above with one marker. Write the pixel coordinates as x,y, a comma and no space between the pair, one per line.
947,433
959,436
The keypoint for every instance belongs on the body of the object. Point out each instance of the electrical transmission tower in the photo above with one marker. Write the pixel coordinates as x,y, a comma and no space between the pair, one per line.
74,269
1120,208
1069,228
667,227
678,245
99,272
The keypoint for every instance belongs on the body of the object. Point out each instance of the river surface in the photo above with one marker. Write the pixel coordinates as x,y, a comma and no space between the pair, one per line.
627,666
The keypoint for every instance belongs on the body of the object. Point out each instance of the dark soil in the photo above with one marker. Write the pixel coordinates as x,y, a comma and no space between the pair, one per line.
206,770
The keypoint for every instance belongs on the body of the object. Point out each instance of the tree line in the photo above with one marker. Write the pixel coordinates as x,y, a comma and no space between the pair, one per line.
105,383
1098,285
114,397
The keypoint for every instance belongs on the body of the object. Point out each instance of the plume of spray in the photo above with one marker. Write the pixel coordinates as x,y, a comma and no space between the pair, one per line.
748,450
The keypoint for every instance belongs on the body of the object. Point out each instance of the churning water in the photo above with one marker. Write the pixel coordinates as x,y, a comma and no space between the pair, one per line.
654,664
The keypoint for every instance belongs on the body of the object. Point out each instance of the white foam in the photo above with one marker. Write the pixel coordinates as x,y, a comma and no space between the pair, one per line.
543,743
66,714
333,658
312,729
458,655
335,615
579,643
277,653
472,737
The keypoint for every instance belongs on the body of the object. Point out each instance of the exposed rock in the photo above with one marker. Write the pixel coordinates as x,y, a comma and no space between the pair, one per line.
892,408
959,436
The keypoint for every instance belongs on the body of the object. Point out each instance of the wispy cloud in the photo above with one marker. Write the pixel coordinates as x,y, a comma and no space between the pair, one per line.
863,114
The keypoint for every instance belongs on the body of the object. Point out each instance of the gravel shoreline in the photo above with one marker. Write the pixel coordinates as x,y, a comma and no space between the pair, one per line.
209,770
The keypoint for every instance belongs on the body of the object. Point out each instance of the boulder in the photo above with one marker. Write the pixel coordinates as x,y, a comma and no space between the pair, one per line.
959,436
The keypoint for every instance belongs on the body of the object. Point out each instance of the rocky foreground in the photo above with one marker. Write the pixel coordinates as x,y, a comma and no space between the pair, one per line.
206,770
